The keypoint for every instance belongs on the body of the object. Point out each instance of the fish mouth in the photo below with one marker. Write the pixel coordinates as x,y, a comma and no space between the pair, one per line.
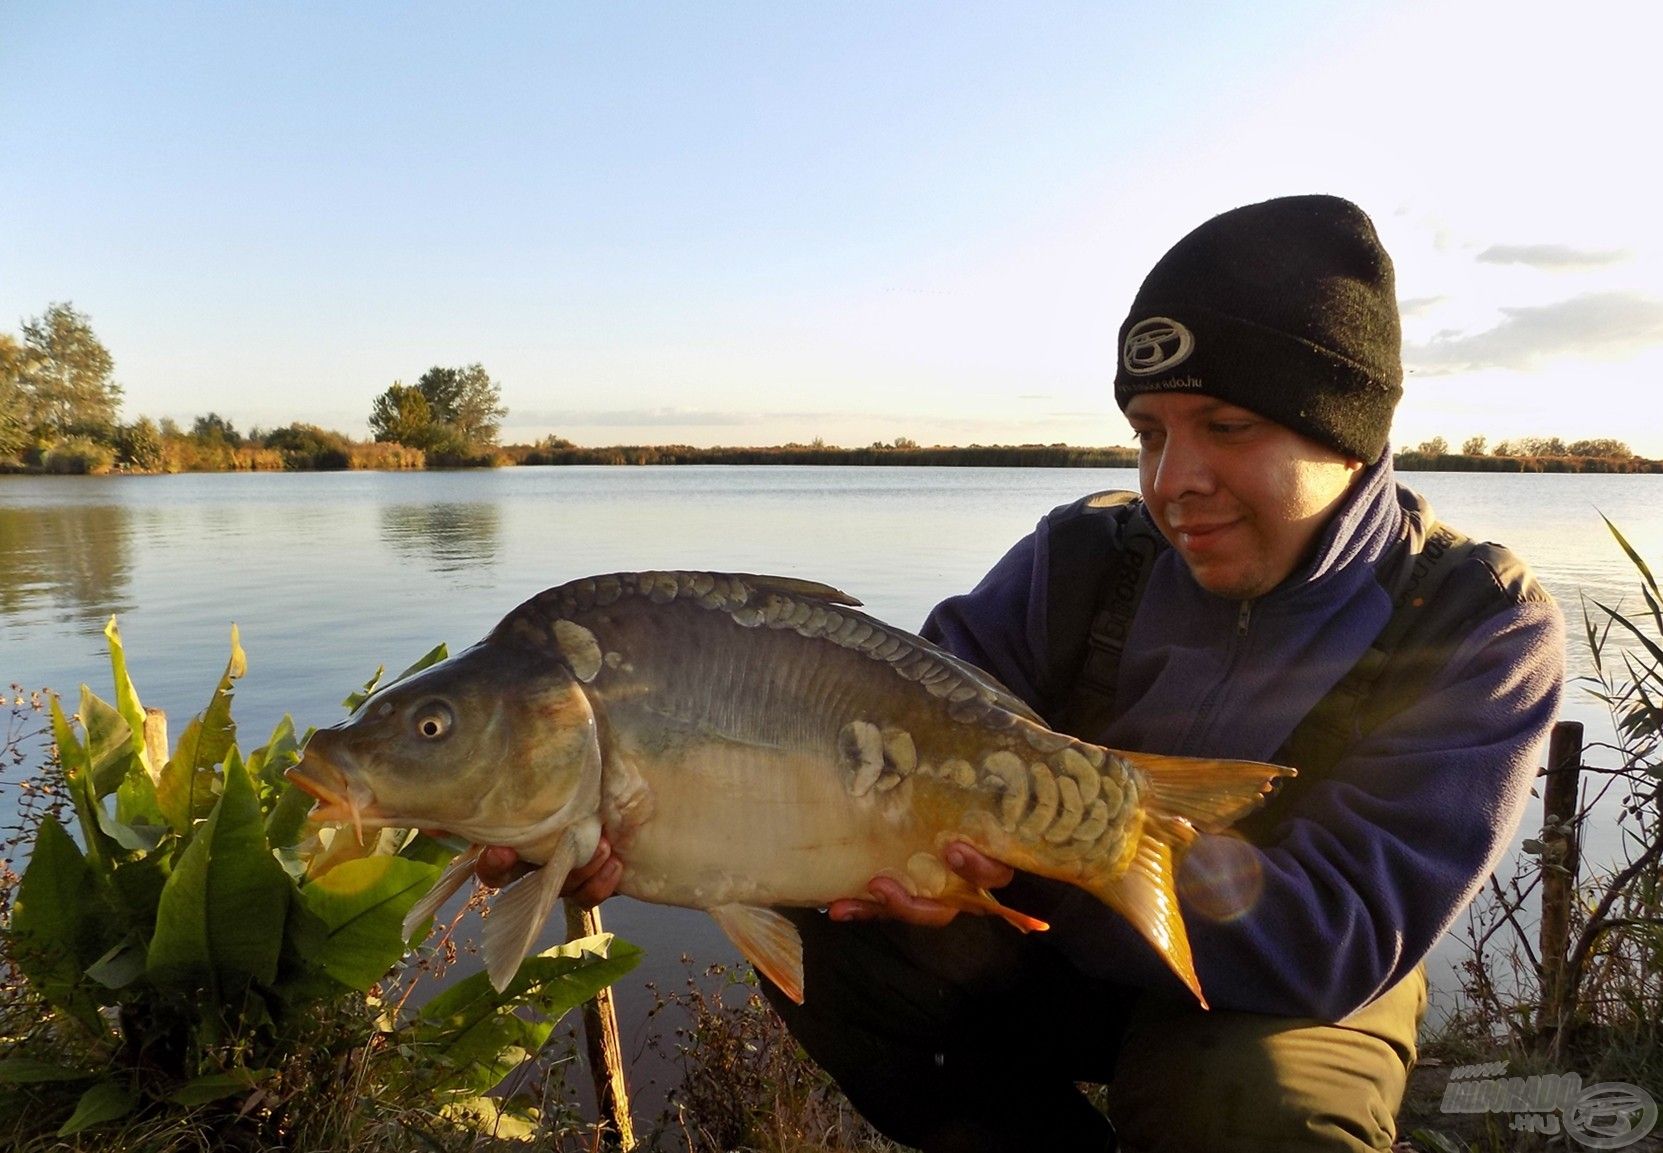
340,799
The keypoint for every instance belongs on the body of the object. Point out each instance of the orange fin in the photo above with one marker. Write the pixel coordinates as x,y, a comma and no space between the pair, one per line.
1209,794
456,874
1145,895
982,901
768,941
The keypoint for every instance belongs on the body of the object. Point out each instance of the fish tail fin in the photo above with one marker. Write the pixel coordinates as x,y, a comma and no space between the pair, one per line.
1209,793
1183,794
1147,896
520,912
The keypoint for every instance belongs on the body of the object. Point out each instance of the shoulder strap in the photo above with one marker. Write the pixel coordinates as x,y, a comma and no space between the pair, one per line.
1101,550
1445,583
1414,575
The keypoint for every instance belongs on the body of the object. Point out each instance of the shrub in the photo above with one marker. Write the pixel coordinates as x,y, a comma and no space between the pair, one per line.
79,456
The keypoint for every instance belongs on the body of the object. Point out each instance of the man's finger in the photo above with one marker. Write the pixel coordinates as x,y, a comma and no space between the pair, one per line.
977,867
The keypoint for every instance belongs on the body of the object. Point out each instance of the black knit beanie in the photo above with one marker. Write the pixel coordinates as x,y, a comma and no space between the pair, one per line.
1287,308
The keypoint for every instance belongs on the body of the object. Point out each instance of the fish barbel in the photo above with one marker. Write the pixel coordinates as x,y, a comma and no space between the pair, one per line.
753,741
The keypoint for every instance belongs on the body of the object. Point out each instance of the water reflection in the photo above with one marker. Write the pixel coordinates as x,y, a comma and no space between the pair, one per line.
69,556
452,537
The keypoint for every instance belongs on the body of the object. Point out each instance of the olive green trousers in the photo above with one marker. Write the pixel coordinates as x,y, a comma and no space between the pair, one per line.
974,1038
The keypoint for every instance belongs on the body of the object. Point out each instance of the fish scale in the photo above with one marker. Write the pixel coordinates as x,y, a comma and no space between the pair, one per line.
751,741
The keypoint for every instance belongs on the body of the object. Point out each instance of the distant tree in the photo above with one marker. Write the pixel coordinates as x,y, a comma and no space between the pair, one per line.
467,400
1504,448
904,442
1437,446
139,445
14,428
1473,446
1603,448
68,381
170,428
214,428
310,447
402,415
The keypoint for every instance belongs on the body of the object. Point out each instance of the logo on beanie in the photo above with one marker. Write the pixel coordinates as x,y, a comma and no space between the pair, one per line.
1155,345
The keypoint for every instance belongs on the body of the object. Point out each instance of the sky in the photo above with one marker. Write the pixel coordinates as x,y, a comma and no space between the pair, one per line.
758,223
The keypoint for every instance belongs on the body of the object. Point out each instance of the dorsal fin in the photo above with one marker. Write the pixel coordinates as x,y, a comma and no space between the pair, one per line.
795,587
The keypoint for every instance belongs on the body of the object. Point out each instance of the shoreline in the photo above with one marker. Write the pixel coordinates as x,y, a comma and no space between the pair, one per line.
939,456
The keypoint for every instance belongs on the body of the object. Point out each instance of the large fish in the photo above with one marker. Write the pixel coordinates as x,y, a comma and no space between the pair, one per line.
752,741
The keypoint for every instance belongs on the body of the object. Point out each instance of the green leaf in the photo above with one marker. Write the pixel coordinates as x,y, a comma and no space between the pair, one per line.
109,743
476,1032
209,738
105,1101
24,1071
126,696
287,821
432,657
222,910
61,923
362,906
121,966
1650,645
270,761
215,1086
353,700
1634,557
77,767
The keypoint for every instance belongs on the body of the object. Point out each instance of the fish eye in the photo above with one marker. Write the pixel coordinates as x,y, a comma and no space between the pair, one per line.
434,720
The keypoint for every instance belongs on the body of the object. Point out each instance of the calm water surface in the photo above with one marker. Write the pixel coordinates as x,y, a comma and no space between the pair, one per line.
328,575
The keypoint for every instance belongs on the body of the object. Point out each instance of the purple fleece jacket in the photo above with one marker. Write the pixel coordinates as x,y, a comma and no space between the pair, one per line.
1363,872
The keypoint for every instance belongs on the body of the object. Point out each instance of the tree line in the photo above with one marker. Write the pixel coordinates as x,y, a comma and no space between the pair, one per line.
60,412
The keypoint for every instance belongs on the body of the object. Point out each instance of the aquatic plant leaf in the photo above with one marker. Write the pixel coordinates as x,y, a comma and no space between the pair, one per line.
61,923
268,763
474,1031
109,743
362,905
433,656
223,907
217,1086
126,696
119,967
105,1101
1633,556
1650,645
210,736
76,762
25,1071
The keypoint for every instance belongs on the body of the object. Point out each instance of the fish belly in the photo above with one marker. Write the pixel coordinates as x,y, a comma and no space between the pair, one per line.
761,827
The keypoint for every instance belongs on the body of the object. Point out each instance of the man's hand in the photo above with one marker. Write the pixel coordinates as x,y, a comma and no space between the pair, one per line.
588,885
891,901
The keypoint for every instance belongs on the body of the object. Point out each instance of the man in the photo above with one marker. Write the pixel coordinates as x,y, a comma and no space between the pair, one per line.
1260,367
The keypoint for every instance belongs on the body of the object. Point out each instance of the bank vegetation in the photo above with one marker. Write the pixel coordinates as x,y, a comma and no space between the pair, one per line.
60,413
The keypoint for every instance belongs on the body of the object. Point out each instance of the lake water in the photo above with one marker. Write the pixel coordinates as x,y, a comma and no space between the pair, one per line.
328,575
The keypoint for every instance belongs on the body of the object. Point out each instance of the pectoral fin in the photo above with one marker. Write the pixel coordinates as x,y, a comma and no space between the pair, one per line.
768,941
455,875
519,914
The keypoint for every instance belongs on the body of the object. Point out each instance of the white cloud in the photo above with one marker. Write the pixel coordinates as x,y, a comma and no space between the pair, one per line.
1551,257
1605,325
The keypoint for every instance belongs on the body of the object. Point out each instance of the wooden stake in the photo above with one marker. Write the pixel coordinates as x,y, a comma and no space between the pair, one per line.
1561,860
600,1033
155,740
